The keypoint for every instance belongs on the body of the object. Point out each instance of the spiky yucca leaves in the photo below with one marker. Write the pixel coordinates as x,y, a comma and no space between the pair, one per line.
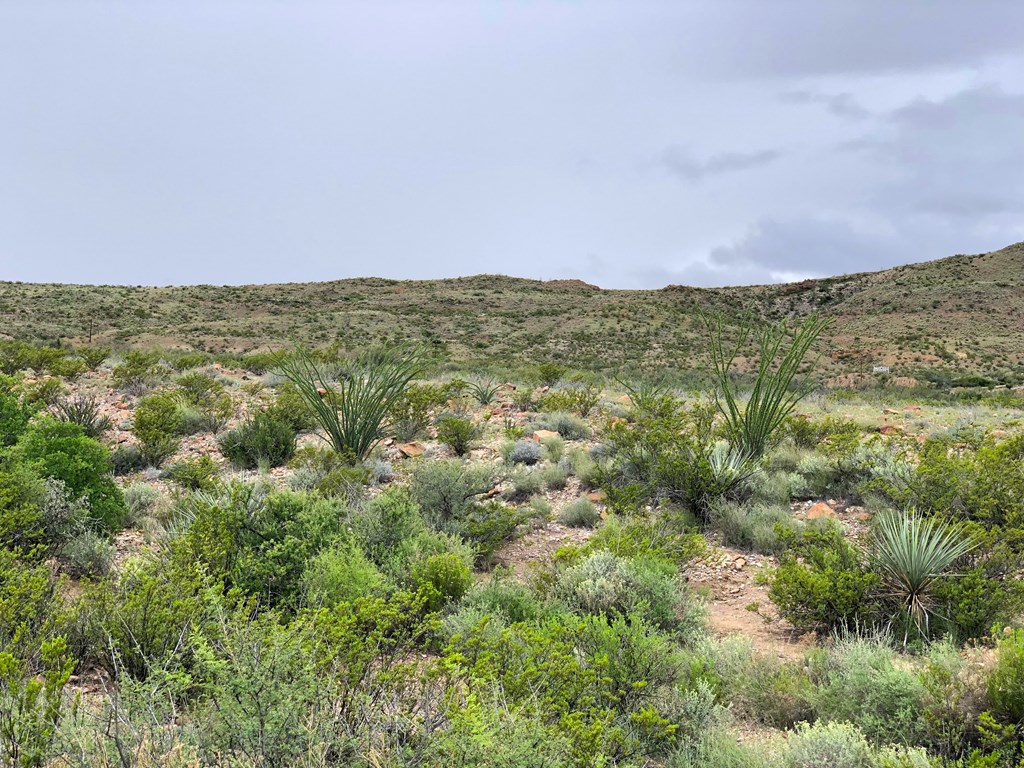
354,411
83,411
753,426
909,553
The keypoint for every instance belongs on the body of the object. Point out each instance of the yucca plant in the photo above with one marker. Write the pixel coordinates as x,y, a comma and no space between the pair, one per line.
754,425
83,411
353,412
909,553
484,390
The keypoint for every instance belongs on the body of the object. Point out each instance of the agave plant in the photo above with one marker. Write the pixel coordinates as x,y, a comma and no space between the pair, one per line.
85,412
484,390
754,425
353,412
909,553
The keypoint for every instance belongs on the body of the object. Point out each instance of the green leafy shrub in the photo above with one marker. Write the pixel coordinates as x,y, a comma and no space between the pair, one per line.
31,708
291,408
140,500
580,513
837,745
157,424
669,534
126,459
970,603
580,399
554,477
549,374
196,475
446,490
14,416
755,527
341,573
93,357
1005,681
448,577
59,450
87,554
827,587
28,597
457,433
137,371
260,439
568,426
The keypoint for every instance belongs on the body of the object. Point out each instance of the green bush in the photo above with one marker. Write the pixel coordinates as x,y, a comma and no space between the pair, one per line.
755,527
93,357
580,513
195,475
457,433
568,426
447,576
59,450
137,371
157,424
259,440
28,601
14,416
445,490
290,408
127,459
554,477
669,534
836,745
87,554
1005,681
341,573
827,587
141,500
580,399
970,603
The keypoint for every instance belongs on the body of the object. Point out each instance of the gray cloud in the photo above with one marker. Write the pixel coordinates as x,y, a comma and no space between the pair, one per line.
681,164
173,142
839,104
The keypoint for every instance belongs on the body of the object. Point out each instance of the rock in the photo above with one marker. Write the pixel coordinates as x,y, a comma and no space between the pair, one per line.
544,434
739,562
913,408
493,492
889,429
598,497
411,450
889,411
819,510
624,399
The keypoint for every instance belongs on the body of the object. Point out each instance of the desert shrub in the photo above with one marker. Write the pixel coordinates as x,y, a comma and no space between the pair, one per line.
523,399
344,483
445,490
14,415
554,448
340,573
669,534
93,357
22,495
809,433
486,526
753,527
83,411
87,554
549,374
31,708
602,583
204,396
576,398
1005,681
126,459
457,433
580,513
837,745
44,392
260,544
355,412
28,601
410,412
502,596
973,601
384,523
157,424
568,426
860,683
137,371
140,500
190,360
260,439
821,583
196,475
525,483
59,450
291,408
554,477
755,426
757,687
68,368
448,577
525,452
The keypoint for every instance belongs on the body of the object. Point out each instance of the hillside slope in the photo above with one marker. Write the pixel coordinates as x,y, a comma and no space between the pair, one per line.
963,311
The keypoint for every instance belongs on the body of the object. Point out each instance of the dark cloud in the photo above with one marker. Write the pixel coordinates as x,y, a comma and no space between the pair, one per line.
682,164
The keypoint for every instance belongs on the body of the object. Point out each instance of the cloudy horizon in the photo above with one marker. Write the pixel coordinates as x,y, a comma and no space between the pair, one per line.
630,145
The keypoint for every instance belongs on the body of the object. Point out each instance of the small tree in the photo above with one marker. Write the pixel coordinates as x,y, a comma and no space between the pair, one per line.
354,411
753,426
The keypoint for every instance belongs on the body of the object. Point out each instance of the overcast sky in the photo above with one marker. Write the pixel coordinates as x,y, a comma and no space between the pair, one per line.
628,144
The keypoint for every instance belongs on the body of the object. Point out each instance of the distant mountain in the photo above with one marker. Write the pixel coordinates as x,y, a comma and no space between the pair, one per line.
962,313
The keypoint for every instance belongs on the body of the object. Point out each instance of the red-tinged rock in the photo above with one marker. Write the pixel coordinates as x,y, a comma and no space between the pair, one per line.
890,429
889,411
544,434
913,408
598,497
411,450
820,510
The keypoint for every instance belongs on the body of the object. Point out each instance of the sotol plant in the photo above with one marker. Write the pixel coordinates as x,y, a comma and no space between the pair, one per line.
909,554
353,412
753,426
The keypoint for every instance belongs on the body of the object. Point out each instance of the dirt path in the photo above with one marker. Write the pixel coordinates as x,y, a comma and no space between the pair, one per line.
737,605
